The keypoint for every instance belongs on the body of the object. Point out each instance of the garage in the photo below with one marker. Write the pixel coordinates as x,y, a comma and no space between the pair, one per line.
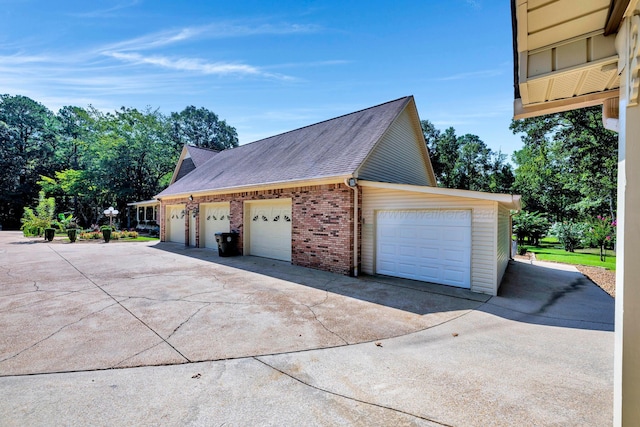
269,229
438,235
428,245
214,218
175,223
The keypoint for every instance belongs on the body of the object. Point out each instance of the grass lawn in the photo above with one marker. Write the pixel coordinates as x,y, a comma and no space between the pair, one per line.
551,250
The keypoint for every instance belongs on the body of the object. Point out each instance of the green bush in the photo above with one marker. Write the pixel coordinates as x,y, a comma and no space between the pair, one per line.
570,234
530,225
36,220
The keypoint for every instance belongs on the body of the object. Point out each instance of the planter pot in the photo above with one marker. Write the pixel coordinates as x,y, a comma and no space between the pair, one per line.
49,233
73,235
106,235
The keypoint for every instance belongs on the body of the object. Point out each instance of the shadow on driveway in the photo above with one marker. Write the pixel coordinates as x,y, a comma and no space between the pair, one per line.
542,293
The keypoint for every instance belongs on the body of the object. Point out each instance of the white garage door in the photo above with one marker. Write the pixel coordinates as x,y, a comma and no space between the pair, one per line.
270,229
430,245
175,219
214,218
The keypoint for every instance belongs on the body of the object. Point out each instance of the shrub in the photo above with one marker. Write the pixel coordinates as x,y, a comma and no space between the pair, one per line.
36,220
90,235
570,234
530,225
601,232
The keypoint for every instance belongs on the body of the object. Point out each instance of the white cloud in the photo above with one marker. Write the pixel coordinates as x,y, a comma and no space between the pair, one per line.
195,64
217,30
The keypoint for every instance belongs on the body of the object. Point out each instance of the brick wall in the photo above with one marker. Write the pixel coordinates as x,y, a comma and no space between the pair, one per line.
321,223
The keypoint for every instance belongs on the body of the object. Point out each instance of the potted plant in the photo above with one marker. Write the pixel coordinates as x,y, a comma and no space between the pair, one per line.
72,233
49,233
106,233
68,223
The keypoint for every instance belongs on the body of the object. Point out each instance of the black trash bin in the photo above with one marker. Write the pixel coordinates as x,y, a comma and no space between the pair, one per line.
227,243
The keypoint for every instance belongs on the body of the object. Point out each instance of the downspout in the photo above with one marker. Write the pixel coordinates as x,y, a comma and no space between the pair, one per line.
353,184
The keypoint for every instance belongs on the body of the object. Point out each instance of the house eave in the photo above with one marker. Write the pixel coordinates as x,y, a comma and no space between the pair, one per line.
511,201
323,180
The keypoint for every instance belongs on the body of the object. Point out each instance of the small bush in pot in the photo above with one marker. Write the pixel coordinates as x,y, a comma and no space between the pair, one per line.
106,233
49,233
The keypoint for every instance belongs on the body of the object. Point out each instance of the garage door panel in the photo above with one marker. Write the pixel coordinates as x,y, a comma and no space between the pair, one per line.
389,250
457,278
214,218
175,221
428,254
428,233
433,246
454,256
429,272
409,251
270,230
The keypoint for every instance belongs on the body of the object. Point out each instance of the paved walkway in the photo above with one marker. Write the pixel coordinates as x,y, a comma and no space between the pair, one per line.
149,334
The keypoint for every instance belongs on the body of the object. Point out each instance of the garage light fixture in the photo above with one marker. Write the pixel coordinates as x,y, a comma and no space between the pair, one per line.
191,198
352,182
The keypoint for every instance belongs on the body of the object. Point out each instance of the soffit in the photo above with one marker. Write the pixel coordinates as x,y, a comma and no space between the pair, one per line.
563,53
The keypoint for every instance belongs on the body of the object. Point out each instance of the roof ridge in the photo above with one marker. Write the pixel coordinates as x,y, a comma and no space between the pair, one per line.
320,122
202,148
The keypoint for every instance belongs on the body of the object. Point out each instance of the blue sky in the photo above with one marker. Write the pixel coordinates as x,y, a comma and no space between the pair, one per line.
267,66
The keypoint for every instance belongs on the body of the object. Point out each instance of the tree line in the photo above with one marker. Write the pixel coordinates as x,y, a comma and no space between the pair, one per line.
88,159
566,169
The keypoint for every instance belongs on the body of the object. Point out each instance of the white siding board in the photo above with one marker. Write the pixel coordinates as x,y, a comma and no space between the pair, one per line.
398,157
483,236
504,242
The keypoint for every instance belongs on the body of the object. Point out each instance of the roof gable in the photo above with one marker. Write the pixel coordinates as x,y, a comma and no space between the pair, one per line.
190,158
401,155
332,148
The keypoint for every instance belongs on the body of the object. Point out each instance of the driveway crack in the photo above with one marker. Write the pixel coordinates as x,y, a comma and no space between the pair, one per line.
315,316
121,305
333,393
56,332
187,320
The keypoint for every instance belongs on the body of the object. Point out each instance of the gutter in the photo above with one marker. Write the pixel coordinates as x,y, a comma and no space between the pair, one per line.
331,179
353,184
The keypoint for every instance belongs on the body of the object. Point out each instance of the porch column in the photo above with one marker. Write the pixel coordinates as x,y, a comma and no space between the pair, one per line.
627,326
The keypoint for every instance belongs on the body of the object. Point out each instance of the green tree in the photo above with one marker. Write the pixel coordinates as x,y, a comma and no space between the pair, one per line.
202,128
466,162
27,142
568,165
530,225
601,232
132,154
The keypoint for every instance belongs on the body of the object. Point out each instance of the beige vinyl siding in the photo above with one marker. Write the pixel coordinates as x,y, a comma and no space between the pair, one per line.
398,157
504,242
483,229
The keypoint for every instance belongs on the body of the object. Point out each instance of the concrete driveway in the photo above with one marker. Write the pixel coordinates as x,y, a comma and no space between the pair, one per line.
159,334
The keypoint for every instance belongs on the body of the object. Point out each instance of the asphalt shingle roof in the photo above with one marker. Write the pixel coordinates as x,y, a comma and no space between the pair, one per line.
200,155
335,147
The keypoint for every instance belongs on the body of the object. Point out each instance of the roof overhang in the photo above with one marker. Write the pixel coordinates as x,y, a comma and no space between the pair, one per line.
510,201
564,54
144,203
325,180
